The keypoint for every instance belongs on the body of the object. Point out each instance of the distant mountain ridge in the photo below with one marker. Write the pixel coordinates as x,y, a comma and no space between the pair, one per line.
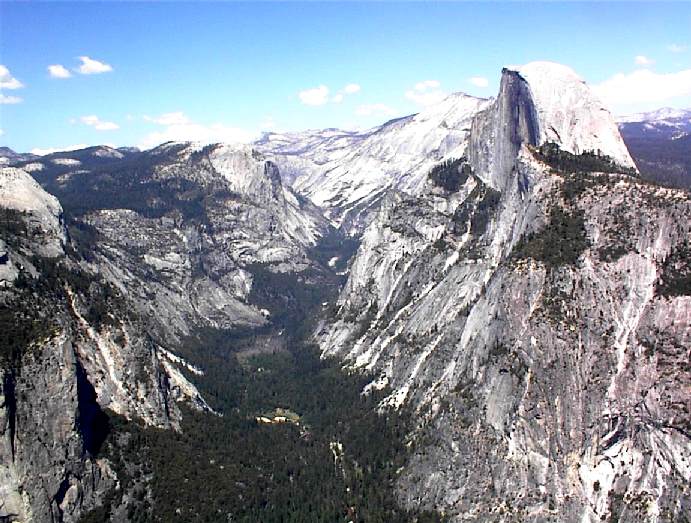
348,174
661,123
513,301
10,157
660,142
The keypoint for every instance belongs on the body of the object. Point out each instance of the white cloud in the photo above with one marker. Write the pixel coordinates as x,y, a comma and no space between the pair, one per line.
316,96
375,109
676,48
2,132
351,89
50,150
320,95
643,60
427,84
479,81
7,100
91,66
58,71
644,86
348,89
174,118
98,124
426,93
7,81
180,128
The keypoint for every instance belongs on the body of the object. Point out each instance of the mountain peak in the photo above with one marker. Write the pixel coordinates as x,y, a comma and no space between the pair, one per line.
545,69
569,112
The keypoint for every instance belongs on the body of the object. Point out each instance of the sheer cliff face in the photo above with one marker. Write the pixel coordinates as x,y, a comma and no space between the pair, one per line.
538,103
538,324
499,131
348,174
62,364
94,313
195,226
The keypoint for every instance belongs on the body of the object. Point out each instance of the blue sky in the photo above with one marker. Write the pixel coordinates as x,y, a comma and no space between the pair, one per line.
225,71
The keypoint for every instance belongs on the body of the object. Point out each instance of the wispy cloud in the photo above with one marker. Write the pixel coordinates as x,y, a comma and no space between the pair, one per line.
479,81
351,89
644,86
58,71
346,91
643,60
320,95
7,81
315,96
427,84
676,48
174,118
375,109
177,126
427,92
91,66
9,100
269,124
98,124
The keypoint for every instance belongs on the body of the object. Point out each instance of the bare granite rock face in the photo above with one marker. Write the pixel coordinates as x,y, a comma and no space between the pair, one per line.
71,351
182,230
529,304
347,173
537,321
94,313
45,470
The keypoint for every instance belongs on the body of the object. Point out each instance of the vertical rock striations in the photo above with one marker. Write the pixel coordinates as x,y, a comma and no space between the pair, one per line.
153,247
524,318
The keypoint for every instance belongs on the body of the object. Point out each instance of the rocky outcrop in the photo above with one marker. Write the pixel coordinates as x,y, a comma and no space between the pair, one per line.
348,174
569,113
45,437
227,216
41,212
524,320
98,299
538,103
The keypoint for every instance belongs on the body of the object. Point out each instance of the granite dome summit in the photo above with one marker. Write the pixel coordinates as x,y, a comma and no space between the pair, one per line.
491,276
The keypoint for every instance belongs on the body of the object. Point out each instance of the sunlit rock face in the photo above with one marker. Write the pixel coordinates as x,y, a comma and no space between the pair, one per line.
534,319
99,310
537,323
56,381
348,173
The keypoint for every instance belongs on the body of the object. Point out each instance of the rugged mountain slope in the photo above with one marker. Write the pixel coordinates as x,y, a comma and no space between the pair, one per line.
347,174
97,301
660,142
70,349
536,313
184,229
10,157
664,123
